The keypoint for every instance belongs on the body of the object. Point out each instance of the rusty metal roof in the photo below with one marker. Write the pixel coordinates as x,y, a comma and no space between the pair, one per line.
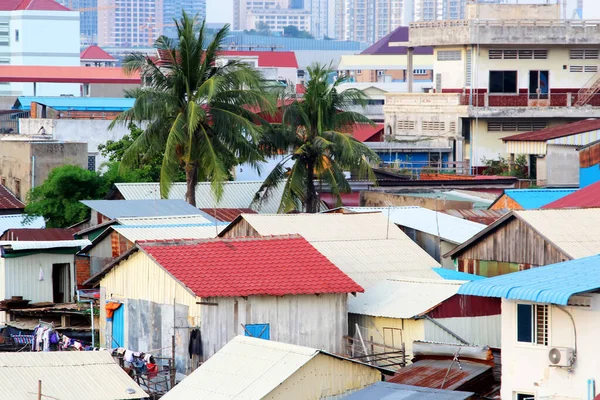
8,201
431,373
227,214
35,235
486,217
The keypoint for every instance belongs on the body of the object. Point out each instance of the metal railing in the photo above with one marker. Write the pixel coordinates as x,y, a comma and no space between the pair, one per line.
486,100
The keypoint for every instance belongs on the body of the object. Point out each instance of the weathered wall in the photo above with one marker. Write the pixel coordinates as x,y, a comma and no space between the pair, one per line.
563,165
505,202
15,166
535,376
325,377
306,320
382,199
110,90
475,330
427,242
51,155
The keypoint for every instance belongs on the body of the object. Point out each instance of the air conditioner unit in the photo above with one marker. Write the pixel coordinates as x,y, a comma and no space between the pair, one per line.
561,356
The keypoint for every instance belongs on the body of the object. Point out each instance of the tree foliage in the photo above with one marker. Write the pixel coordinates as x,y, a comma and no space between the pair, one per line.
198,111
293,31
313,128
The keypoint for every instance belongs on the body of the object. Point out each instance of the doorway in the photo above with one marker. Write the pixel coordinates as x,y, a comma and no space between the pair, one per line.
539,84
61,283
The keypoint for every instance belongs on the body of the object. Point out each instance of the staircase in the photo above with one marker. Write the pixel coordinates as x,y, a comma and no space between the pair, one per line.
588,90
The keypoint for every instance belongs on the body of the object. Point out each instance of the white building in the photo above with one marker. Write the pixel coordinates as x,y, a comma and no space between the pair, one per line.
550,323
277,19
41,33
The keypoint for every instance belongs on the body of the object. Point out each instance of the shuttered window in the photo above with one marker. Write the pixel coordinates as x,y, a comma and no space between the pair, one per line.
583,68
583,54
508,54
433,126
449,55
532,324
405,125
516,126
4,33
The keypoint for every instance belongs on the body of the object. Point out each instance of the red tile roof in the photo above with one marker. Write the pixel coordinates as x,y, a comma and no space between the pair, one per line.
35,235
8,201
32,5
282,59
30,73
227,214
273,266
364,132
300,88
555,132
587,197
94,52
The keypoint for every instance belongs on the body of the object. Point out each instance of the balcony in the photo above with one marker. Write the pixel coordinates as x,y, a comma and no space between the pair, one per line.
497,32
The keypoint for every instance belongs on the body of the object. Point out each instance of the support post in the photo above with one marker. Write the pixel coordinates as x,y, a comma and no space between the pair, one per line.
174,369
409,68
39,394
34,89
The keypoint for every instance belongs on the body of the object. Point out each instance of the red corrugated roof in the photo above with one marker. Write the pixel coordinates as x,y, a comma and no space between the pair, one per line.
227,214
31,73
364,132
35,235
94,52
283,59
273,266
555,132
31,5
300,88
8,201
348,199
587,197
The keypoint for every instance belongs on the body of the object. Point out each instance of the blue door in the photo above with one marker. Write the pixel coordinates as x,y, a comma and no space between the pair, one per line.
118,327
260,331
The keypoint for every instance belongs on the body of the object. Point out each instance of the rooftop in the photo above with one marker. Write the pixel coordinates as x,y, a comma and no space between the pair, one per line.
403,298
75,103
394,391
273,266
35,235
363,132
141,208
453,275
531,199
392,44
31,5
94,372
226,214
281,59
94,53
162,220
43,244
587,197
8,201
485,217
135,233
51,74
20,221
555,132
553,284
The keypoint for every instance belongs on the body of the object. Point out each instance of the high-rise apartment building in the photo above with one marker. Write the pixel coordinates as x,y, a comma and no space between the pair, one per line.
129,23
172,10
88,18
323,17
369,21
241,8
429,10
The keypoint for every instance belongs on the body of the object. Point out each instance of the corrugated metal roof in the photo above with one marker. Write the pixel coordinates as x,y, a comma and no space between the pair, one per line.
478,202
8,201
20,221
43,234
164,220
245,368
366,247
531,199
434,373
134,233
453,275
237,194
65,375
554,283
49,244
485,217
76,103
450,228
586,197
226,214
395,391
402,298
554,132
141,208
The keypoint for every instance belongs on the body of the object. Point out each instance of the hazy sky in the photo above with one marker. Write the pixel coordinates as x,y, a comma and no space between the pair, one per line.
222,10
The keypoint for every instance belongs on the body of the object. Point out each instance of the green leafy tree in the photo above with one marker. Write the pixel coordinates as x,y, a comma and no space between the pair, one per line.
312,130
263,28
198,113
57,199
293,31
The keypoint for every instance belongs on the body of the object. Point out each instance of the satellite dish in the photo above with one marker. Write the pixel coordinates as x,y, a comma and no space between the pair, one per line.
554,356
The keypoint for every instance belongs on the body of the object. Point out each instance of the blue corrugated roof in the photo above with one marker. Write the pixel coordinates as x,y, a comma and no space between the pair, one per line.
141,208
76,103
549,284
453,275
531,199
395,391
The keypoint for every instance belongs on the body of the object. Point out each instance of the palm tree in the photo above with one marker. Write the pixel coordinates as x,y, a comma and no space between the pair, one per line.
312,132
197,112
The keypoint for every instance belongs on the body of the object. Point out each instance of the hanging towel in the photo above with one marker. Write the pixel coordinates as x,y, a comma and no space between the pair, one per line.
195,346
41,278
128,356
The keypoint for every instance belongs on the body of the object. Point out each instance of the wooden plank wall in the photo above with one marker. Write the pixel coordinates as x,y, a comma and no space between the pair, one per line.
241,229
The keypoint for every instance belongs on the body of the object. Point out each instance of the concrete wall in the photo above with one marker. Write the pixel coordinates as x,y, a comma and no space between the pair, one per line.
382,199
15,166
51,155
110,90
525,367
563,165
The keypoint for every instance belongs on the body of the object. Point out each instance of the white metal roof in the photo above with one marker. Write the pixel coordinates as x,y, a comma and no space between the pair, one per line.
50,244
135,233
245,368
165,220
237,194
450,228
17,221
402,298
364,246
65,375
575,231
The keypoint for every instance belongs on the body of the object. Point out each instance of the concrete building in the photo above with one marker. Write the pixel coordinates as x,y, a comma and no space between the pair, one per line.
88,11
430,10
277,19
94,56
369,21
549,329
40,33
172,10
323,17
276,66
498,76
129,23
241,8
26,161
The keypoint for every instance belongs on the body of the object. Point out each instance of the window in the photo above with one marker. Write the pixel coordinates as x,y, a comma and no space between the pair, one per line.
3,181
433,126
583,68
516,126
449,55
532,324
4,33
524,396
18,189
503,81
405,125
583,54
539,84
502,54
16,35
261,331
92,163
419,71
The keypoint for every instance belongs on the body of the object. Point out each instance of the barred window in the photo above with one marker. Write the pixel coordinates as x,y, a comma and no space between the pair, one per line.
449,55
508,54
405,125
583,54
516,126
433,126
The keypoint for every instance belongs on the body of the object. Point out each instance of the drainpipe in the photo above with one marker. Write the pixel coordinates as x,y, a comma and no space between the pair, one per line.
32,172
591,389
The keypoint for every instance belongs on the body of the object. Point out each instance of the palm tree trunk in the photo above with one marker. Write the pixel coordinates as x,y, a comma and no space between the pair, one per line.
191,180
312,198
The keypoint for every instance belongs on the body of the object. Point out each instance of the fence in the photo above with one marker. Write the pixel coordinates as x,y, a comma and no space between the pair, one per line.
9,121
